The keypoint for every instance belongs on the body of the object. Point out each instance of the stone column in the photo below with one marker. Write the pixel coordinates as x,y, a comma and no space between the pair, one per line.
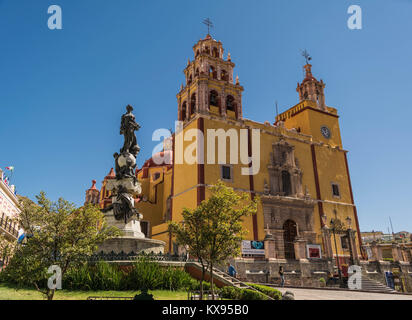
270,247
327,244
300,249
223,103
395,253
376,251
400,254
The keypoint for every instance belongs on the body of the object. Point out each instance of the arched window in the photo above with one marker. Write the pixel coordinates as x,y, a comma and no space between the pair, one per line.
286,183
214,98
197,72
183,112
193,104
207,50
215,53
197,52
230,103
189,81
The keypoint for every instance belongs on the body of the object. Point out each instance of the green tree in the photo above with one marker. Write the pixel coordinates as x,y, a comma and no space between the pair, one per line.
191,233
58,234
214,230
7,248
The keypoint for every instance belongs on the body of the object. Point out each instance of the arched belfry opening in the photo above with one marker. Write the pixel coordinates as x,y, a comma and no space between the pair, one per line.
183,111
193,104
214,98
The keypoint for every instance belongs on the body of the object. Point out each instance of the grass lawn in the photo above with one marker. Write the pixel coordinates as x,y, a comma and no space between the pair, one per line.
10,293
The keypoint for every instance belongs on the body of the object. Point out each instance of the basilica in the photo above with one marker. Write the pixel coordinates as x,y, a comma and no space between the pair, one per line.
306,210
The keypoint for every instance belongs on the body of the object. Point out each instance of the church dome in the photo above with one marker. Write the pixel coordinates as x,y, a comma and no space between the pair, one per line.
163,158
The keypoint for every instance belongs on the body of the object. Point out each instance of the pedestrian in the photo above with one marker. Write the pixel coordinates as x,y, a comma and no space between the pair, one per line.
282,277
231,270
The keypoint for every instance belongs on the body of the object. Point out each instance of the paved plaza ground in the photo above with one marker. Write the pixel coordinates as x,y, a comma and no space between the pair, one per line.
317,294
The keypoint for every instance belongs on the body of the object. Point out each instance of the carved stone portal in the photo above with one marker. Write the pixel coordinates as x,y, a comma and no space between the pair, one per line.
284,172
288,213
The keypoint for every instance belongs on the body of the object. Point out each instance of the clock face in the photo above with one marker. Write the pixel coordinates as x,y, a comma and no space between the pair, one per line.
325,132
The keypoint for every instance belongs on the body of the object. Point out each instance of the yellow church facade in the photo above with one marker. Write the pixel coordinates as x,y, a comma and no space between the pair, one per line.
297,165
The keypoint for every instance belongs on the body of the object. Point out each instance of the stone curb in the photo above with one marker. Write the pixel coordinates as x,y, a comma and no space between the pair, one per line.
332,289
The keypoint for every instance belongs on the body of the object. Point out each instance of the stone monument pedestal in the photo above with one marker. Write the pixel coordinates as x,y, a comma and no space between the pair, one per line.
132,238
130,229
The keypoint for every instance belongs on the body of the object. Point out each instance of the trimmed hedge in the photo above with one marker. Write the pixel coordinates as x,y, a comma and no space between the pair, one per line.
269,291
235,293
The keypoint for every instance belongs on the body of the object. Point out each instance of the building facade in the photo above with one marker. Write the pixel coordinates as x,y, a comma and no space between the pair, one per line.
9,209
300,168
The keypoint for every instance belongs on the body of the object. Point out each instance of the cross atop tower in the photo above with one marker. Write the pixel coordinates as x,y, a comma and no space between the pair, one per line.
306,55
209,24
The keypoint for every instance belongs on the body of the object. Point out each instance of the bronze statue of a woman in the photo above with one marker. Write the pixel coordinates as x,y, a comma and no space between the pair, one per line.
127,128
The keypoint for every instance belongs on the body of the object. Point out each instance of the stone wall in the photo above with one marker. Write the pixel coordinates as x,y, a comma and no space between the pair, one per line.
297,272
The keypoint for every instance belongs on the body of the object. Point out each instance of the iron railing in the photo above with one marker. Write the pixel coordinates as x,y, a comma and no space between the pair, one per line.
8,225
132,256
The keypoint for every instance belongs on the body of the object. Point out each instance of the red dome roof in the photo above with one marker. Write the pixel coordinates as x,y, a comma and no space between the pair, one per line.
93,185
163,158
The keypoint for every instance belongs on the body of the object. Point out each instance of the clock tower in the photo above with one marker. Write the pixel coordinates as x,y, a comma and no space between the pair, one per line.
311,115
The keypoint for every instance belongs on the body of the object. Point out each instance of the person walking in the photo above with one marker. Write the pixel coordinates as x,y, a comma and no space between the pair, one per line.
231,270
282,277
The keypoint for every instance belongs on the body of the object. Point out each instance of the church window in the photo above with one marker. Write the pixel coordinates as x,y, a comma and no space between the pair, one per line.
226,173
190,79
156,176
286,183
335,190
207,50
197,72
284,157
344,241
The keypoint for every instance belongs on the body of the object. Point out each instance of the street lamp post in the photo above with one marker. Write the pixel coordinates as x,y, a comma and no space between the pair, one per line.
333,224
336,226
349,222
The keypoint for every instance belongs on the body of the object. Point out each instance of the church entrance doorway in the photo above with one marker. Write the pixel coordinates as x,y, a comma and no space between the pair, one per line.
290,232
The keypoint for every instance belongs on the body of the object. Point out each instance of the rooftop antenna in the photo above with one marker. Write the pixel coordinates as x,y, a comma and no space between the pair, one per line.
209,24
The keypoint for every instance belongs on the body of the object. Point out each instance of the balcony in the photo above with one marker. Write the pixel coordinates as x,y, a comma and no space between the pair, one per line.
8,227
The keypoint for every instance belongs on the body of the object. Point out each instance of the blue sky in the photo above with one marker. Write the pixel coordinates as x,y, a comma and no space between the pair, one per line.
62,92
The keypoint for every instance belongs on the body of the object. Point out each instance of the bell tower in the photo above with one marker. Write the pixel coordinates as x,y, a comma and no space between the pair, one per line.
311,89
209,86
